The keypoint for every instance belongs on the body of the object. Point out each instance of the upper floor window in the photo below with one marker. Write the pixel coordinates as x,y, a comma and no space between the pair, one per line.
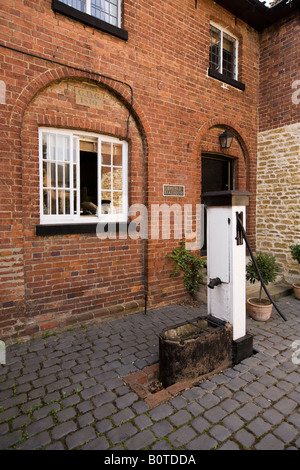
104,15
223,57
83,177
106,10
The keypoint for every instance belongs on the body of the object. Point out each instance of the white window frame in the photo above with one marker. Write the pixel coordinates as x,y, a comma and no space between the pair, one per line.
222,31
77,218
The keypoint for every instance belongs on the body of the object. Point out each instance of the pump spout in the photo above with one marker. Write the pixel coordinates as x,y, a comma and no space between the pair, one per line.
214,283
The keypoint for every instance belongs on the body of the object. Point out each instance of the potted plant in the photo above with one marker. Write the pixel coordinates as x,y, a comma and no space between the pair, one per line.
260,309
295,251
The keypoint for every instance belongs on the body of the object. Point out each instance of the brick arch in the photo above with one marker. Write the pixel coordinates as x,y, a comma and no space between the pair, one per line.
248,149
118,88
224,124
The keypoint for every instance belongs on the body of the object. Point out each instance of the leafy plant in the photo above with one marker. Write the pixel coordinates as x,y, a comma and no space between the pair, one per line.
268,268
295,251
192,266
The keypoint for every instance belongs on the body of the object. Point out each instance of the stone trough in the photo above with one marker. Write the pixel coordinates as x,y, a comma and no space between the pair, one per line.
194,349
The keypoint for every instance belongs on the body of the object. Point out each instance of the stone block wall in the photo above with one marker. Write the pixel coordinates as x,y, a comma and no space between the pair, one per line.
278,192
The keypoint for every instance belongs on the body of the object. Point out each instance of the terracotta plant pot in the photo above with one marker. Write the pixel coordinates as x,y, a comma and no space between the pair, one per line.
259,311
296,288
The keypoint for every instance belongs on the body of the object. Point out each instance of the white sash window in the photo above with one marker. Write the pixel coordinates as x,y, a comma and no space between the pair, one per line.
223,57
83,177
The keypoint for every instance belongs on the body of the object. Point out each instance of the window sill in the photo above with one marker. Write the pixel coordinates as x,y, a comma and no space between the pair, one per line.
77,229
89,20
222,78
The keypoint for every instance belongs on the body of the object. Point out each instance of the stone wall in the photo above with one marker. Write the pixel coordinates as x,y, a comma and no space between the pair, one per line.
278,191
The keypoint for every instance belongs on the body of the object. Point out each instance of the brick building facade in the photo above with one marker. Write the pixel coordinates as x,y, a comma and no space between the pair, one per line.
99,111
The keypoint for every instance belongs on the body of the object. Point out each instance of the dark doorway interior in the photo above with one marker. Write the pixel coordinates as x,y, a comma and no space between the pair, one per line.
217,175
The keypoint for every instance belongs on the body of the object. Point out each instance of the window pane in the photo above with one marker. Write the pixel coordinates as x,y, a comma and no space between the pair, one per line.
67,175
46,202
106,10
106,153
117,178
44,146
46,175
105,202
67,202
78,4
75,176
117,155
53,202
63,148
53,175
228,55
60,175
117,202
106,177
52,145
214,56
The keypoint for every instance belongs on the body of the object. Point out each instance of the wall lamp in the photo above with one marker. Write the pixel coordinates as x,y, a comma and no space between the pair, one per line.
226,139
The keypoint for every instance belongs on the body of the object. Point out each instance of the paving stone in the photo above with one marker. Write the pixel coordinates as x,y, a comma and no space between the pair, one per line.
123,416
244,438
195,409
249,411
285,406
39,426
140,441
10,439
203,442
180,418
259,427
273,393
182,436
143,421
286,432
161,412
81,437
269,442
99,443
121,433
161,445
233,422
162,428
273,416
220,433
36,442
63,429
126,400
216,414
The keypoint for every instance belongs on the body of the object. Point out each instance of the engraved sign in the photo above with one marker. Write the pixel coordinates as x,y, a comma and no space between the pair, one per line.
174,190
89,96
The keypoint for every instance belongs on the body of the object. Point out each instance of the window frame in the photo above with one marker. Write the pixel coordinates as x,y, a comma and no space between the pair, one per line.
218,74
77,219
89,20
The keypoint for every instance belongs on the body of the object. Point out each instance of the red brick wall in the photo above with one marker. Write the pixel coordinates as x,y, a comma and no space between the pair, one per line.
52,281
279,70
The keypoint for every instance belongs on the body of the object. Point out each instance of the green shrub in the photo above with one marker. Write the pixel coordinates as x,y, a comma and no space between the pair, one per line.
192,266
295,251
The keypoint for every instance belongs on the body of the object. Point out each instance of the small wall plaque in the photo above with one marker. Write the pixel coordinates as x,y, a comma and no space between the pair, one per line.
89,96
174,190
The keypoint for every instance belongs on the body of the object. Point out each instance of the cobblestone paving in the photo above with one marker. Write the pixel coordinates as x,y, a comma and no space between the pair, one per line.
66,391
